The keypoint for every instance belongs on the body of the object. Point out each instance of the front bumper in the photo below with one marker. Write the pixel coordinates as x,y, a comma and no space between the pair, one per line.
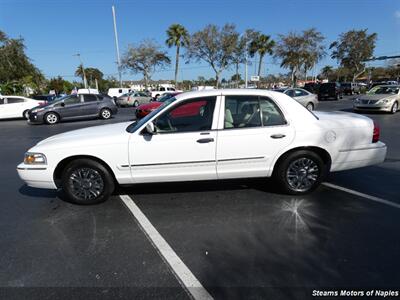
37,176
35,118
372,107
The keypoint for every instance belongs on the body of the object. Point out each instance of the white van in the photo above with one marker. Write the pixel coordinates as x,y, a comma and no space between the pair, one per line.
116,92
88,91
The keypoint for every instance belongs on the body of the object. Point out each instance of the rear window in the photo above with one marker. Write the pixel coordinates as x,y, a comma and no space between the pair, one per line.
14,100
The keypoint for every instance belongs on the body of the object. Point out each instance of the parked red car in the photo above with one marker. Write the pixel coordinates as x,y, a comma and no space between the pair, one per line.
144,109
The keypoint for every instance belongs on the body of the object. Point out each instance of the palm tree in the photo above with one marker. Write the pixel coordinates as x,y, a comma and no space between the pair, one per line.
326,72
261,44
80,72
177,36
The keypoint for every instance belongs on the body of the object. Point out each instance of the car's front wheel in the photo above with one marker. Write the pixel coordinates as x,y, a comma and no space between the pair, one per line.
105,114
51,118
86,181
300,172
310,106
394,108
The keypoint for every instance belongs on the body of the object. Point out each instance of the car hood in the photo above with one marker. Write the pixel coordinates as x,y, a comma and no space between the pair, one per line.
91,136
151,105
377,97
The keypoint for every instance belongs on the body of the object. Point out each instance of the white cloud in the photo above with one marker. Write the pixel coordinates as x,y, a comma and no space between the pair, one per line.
397,14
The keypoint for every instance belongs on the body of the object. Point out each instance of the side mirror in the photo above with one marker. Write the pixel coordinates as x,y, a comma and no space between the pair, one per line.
150,129
62,104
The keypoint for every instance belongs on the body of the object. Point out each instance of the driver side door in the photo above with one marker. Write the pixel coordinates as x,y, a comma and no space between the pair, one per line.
183,147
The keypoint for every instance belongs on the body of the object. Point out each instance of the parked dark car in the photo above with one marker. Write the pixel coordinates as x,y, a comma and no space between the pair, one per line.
330,90
350,88
312,87
74,107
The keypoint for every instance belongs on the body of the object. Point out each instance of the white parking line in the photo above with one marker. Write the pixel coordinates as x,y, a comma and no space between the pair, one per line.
372,198
185,277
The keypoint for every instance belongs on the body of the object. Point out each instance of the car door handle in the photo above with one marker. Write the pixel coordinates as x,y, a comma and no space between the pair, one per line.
203,141
278,136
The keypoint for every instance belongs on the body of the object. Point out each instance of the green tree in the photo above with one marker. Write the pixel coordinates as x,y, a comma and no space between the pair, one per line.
326,72
215,46
177,36
15,66
261,44
299,52
352,49
145,58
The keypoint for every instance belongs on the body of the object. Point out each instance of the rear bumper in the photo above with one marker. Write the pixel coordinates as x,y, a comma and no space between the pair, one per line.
36,176
359,157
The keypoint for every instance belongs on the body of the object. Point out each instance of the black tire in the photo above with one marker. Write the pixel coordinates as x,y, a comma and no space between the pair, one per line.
95,188
394,108
136,103
51,118
310,106
288,161
105,113
25,114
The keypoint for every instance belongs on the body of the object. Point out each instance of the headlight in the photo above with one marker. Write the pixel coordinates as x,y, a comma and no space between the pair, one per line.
357,100
36,110
383,101
34,159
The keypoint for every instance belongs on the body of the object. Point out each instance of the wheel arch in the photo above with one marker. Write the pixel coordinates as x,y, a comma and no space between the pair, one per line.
323,153
63,163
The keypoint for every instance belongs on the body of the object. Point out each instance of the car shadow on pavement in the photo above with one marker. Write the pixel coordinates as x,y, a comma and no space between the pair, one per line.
37,193
261,184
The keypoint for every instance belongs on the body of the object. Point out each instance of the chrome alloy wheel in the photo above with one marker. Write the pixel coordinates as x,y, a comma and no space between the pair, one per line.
394,107
86,183
106,114
302,173
51,118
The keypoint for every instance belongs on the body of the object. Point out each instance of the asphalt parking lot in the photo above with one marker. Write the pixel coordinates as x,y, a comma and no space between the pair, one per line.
239,239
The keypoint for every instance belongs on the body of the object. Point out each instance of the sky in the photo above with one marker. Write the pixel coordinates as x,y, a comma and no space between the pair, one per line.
55,30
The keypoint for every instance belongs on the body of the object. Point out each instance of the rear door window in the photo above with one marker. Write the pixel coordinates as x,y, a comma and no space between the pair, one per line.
13,100
90,98
242,112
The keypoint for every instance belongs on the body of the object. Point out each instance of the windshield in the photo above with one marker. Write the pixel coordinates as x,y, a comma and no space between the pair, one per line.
391,90
135,126
165,97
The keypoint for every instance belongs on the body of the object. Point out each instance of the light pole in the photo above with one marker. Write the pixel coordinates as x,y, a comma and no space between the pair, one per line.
116,46
246,57
83,69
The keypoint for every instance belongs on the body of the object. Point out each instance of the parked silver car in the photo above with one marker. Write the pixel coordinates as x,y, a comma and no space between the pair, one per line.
133,99
379,98
305,98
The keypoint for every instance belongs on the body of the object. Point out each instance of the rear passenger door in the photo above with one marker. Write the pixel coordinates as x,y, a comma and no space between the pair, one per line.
254,130
90,106
14,107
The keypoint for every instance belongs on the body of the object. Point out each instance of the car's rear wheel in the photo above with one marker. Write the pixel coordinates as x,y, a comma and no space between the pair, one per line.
105,114
394,108
86,181
310,106
136,103
51,118
300,172
25,114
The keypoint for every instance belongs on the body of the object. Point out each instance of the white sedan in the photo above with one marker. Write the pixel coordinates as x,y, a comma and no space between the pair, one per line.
17,106
205,135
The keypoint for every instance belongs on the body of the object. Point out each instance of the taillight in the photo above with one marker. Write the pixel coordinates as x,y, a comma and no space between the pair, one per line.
376,134
42,103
